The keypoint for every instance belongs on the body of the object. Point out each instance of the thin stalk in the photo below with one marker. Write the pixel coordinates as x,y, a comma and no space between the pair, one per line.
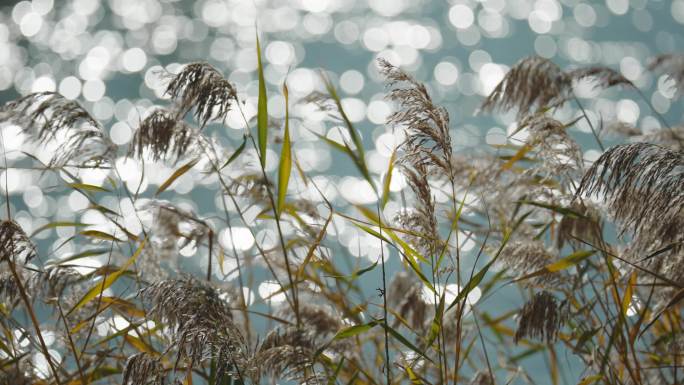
591,125
388,375
72,346
293,286
34,319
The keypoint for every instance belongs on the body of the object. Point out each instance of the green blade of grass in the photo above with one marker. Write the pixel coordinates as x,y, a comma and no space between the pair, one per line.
285,159
388,179
237,152
262,111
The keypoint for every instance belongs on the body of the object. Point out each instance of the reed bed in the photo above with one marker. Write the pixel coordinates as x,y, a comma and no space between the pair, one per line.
593,248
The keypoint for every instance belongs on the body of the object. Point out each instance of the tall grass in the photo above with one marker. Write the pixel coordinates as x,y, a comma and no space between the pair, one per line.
538,213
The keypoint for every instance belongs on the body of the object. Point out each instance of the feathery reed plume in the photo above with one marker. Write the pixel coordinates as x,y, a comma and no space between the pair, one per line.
586,226
532,82
525,256
174,228
165,137
621,128
602,77
52,283
421,219
405,297
642,184
672,66
17,373
540,318
202,86
15,245
8,286
143,369
286,353
558,151
251,185
482,378
200,321
321,320
428,140
670,138
50,116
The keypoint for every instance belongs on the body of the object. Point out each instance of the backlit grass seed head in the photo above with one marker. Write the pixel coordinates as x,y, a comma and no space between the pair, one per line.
143,369
200,321
201,86
15,244
322,320
164,137
56,283
642,185
421,220
532,83
8,286
602,77
540,318
48,116
670,138
405,296
560,154
174,228
620,128
586,226
428,141
285,353
525,256
672,66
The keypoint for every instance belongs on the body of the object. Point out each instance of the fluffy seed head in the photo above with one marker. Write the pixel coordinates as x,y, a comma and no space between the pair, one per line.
143,369
540,318
165,137
202,86
642,185
48,116
672,66
532,83
15,245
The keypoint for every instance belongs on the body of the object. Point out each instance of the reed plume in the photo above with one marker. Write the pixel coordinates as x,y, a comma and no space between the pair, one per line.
200,322
202,86
165,137
421,220
525,256
641,184
406,298
15,245
673,67
540,318
286,353
428,141
174,228
584,224
602,77
531,84
48,116
670,138
560,154
143,369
